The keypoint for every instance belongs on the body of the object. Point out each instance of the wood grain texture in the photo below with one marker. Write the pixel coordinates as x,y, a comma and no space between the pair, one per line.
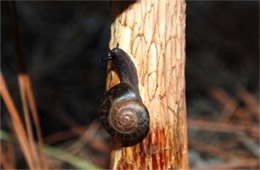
152,32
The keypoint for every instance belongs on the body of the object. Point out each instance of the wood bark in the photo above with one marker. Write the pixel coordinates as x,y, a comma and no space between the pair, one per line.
152,32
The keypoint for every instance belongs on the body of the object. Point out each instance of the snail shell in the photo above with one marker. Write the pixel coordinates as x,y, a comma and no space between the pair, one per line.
122,112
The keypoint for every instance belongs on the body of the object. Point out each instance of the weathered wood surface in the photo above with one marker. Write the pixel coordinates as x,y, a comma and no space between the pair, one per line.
152,32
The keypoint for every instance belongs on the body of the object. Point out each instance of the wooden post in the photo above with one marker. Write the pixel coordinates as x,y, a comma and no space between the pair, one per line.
152,32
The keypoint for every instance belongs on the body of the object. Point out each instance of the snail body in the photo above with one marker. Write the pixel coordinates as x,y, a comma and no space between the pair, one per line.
122,112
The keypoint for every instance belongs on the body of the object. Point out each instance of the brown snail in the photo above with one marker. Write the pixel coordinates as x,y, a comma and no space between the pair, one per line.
122,112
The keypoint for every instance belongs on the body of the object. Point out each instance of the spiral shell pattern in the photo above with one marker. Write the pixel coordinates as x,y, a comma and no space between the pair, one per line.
123,114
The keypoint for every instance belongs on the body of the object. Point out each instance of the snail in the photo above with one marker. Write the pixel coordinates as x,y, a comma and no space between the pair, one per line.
122,112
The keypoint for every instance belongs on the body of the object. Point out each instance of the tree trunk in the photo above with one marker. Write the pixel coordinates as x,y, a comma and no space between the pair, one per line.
152,32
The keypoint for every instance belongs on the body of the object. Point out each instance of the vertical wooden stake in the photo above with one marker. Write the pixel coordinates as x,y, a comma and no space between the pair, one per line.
152,32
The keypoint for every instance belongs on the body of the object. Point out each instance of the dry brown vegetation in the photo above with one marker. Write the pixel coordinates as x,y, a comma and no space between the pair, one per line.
50,76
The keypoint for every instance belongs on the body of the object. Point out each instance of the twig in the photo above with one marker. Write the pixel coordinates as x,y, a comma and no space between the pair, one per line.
231,105
63,135
210,125
95,143
244,163
228,143
212,150
252,104
250,145
86,137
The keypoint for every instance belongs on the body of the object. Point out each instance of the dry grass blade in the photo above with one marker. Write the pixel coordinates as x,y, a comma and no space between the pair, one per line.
26,93
17,123
28,123
31,101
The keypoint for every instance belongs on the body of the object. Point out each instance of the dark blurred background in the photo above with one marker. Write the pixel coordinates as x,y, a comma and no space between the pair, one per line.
62,42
